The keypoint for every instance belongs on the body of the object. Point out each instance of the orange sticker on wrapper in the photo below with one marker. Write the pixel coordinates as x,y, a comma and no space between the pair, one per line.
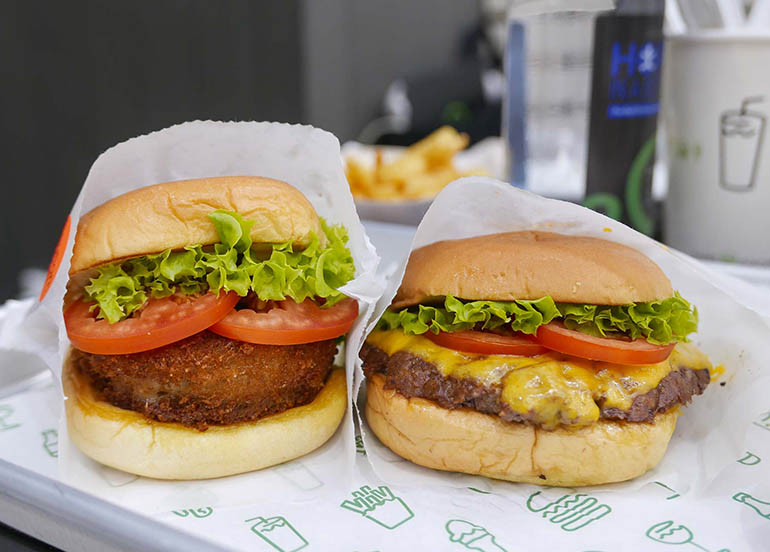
58,253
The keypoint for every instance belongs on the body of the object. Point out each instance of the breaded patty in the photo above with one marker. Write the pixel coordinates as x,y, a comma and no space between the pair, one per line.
207,379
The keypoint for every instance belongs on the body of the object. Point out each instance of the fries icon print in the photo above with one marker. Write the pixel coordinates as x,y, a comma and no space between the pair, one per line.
379,505
570,512
6,412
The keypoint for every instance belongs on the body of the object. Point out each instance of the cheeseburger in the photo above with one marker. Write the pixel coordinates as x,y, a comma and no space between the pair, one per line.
534,357
204,317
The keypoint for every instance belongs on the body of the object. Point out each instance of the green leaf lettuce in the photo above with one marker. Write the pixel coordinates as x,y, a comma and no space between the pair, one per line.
274,272
660,322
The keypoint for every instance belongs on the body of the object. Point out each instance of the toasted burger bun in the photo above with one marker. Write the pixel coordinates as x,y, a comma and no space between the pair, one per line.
470,442
172,215
531,265
128,441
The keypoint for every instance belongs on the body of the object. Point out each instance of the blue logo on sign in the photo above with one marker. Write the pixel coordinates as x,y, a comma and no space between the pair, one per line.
649,59
634,79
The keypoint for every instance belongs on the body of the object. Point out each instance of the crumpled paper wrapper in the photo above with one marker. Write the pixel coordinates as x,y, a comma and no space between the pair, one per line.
733,514
710,433
307,158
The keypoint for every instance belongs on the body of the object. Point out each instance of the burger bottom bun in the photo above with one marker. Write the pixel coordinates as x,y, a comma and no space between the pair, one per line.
470,442
128,441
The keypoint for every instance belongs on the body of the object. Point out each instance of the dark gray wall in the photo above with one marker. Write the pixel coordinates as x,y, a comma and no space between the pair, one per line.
78,77
353,49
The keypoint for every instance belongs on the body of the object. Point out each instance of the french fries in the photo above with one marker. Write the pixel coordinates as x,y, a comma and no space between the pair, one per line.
421,172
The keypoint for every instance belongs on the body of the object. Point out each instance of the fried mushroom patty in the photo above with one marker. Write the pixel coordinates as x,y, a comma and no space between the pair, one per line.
413,376
207,379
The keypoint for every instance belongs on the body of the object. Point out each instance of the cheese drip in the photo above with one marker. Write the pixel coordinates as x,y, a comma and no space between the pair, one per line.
554,388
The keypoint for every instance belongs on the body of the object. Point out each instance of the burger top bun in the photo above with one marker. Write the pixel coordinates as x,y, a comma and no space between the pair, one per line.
172,215
531,265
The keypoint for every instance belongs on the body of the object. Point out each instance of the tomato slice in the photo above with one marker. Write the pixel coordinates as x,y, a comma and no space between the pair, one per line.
486,343
289,323
618,351
160,322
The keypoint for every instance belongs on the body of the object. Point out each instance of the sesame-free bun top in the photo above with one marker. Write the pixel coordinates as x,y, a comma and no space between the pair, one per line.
531,265
172,215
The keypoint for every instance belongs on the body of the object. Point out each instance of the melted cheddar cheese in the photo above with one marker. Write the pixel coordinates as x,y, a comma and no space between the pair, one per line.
555,388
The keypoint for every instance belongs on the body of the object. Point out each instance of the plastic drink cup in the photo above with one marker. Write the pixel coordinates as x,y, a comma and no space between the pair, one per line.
716,100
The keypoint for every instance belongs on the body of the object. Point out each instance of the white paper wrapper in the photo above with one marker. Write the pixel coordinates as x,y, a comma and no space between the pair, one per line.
734,513
307,158
711,432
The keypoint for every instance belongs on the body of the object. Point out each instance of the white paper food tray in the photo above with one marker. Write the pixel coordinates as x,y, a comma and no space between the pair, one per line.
35,502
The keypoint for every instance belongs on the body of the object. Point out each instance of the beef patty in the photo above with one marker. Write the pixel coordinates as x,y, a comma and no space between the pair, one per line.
413,376
207,379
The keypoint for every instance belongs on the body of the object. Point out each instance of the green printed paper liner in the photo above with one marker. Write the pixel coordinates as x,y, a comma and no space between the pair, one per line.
732,514
709,434
307,158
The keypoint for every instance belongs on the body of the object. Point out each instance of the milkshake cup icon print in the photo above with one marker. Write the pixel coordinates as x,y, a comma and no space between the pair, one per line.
278,533
740,140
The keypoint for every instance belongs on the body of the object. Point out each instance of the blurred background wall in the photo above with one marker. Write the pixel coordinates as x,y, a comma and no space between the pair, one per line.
352,51
79,77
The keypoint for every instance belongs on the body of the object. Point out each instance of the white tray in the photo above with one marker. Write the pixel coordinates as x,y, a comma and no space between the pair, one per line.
34,501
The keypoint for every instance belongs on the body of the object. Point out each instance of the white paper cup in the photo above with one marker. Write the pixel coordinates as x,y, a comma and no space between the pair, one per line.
716,108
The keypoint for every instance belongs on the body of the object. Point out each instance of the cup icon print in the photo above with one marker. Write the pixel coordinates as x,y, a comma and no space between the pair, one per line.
759,506
741,133
673,494
667,532
571,511
472,536
278,533
6,412
749,459
379,505
51,442
763,421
